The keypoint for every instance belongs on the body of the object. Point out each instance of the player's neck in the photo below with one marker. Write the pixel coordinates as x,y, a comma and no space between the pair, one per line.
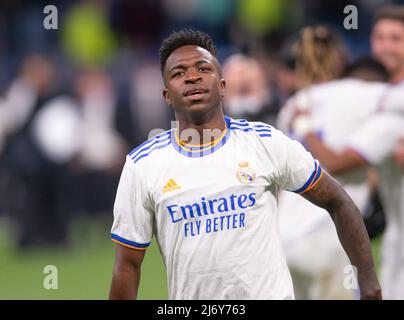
202,129
397,76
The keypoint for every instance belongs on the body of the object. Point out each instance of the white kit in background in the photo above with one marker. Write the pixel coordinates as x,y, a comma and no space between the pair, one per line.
376,140
313,251
65,127
15,108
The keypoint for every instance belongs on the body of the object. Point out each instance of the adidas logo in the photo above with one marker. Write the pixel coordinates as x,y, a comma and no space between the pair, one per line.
171,185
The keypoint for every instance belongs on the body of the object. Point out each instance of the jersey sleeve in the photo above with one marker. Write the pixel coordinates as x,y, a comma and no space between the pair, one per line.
133,214
376,138
298,171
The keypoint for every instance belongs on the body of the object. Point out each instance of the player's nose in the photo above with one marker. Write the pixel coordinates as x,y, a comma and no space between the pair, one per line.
192,77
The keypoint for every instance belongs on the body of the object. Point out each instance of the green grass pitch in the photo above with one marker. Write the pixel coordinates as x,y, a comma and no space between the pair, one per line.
84,268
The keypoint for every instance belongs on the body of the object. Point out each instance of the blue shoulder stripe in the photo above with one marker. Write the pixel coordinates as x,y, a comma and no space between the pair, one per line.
241,124
156,147
241,129
157,137
247,124
145,148
263,126
238,120
261,129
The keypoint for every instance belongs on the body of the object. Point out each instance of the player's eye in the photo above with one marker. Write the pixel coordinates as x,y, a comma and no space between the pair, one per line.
178,74
203,69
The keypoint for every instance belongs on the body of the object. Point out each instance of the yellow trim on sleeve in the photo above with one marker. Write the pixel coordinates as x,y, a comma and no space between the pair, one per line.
128,246
311,186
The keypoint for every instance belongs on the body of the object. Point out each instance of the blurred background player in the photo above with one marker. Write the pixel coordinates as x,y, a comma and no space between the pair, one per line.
86,122
248,94
330,92
377,141
30,194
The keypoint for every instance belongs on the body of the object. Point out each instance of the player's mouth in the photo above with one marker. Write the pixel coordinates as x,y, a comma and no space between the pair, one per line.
196,93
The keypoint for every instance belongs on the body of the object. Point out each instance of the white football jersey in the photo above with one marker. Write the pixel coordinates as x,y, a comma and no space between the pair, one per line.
392,99
213,209
336,109
375,141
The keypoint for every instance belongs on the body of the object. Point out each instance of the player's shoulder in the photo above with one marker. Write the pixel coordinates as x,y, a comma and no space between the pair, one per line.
150,148
351,85
254,129
257,133
330,89
359,85
392,100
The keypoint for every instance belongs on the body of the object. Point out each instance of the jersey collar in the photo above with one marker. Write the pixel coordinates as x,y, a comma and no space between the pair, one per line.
196,151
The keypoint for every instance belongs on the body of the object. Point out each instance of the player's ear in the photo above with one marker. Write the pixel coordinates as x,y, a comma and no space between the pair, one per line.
222,87
166,96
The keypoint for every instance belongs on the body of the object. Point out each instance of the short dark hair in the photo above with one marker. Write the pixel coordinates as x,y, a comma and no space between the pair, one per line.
183,38
369,66
390,12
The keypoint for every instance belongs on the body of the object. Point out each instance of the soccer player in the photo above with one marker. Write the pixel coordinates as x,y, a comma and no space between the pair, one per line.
212,203
334,111
374,143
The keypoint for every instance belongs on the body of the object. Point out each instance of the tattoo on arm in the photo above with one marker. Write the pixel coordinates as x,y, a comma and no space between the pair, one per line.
351,230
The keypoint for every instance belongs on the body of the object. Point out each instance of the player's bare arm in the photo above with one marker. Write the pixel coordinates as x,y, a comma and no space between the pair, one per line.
351,230
126,274
334,162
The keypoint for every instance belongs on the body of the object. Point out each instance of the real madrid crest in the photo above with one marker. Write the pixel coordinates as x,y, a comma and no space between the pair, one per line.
245,173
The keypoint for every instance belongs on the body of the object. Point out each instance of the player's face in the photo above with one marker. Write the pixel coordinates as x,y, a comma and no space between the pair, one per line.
388,43
193,81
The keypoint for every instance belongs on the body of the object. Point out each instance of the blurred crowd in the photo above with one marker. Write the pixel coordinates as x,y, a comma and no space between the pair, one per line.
75,100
